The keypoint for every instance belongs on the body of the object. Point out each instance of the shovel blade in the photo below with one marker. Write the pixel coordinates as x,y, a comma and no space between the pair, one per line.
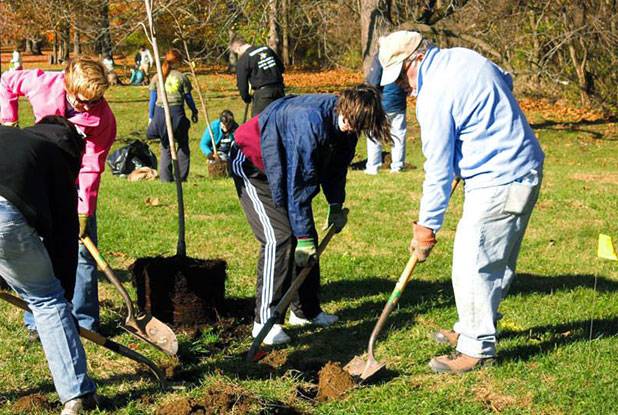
363,369
154,332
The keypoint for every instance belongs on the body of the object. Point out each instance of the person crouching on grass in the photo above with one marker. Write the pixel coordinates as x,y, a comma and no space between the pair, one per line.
178,91
279,161
38,244
223,135
76,93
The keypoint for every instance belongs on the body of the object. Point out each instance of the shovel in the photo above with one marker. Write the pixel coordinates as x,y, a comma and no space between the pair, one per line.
143,325
359,367
101,341
364,369
289,295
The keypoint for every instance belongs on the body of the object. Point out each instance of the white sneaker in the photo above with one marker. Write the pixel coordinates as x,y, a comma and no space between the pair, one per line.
323,319
371,172
275,336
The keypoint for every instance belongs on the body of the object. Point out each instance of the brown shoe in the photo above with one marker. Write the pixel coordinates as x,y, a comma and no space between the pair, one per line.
446,337
458,363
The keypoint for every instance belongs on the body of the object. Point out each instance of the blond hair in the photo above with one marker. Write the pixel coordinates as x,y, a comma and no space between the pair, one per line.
85,76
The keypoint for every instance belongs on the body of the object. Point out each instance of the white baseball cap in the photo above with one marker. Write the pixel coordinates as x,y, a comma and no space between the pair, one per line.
394,49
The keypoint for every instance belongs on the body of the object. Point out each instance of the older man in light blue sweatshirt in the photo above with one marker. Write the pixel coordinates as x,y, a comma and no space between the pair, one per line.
473,128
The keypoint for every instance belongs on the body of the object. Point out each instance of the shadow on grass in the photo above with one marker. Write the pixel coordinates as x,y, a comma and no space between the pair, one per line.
577,126
542,339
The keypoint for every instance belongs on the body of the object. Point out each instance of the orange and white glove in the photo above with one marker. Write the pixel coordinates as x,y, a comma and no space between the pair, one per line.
423,241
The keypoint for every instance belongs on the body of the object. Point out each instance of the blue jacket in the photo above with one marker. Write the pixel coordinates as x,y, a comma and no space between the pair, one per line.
303,150
393,97
206,141
471,127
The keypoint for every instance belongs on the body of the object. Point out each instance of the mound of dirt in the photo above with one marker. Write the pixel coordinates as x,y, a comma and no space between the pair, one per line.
217,168
181,291
221,398
275,358
32,404
334,382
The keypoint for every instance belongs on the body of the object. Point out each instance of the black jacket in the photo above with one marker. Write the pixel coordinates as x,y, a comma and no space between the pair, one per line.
38,169
260,66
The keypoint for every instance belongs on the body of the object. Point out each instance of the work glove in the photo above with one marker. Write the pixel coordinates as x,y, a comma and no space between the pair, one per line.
424,239
83,225
336,217
305,252
194,117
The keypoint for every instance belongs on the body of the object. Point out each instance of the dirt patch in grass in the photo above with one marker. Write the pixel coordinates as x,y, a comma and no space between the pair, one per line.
275,358
334,382
32,404
605,178
181,291
217,169
491,396
221,398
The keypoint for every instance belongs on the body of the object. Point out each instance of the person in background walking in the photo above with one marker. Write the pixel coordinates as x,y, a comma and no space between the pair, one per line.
178,91
259,69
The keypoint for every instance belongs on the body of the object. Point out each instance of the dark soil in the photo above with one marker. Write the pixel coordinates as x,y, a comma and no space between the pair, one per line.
334,382
180,291
222,398
217,168
32,404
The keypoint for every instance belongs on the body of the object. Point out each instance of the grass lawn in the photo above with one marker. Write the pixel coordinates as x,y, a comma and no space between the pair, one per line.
546,365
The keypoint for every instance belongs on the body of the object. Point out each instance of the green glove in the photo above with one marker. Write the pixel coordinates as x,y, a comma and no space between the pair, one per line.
305,252
83,225
336,217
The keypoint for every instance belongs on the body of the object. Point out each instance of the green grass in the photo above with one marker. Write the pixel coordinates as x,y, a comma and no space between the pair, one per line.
546,362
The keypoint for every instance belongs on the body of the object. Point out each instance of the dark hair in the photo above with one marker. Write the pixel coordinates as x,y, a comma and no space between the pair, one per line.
72,143
362,107
238,39
172,59
227,119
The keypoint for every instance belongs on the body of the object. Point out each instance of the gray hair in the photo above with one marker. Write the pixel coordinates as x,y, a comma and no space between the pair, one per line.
424,46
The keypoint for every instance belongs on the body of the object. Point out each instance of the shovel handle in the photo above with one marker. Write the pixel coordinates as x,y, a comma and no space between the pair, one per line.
107,270
101,341
392,301
289,294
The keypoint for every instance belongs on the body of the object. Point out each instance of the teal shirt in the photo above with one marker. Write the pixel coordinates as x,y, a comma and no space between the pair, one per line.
206,142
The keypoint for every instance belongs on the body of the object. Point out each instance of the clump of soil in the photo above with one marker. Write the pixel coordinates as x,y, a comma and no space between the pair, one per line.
334,382
275,358
221,398
181,291
217,168
32,404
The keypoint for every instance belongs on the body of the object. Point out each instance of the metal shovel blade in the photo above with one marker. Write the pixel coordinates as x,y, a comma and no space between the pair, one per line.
363,369
153,331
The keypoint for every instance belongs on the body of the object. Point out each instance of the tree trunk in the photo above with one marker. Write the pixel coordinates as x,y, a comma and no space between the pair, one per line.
285,44
28,46
77,50
65,42
103,44
273,29
232,57
37,43
375,22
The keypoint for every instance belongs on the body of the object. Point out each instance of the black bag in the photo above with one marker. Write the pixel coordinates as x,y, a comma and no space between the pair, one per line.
134,155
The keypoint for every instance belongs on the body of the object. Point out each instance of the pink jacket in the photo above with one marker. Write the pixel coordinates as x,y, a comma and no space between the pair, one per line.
45,91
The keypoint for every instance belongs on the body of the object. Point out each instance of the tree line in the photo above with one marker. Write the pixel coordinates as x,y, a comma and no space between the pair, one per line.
566,48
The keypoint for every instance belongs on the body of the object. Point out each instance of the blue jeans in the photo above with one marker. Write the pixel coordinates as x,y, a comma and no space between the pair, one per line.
27,268
397,125
487,244
86,293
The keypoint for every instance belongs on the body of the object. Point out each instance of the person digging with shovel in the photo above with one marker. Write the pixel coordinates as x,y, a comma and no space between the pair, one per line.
472,127
279,161
78,94
38,244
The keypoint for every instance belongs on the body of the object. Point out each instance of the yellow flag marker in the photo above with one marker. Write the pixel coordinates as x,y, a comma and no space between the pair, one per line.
606,248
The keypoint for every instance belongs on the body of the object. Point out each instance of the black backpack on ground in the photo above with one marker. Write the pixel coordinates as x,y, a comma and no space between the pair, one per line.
134,155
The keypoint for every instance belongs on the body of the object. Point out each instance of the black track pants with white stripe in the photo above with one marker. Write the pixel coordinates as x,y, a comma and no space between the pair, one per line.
271,227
